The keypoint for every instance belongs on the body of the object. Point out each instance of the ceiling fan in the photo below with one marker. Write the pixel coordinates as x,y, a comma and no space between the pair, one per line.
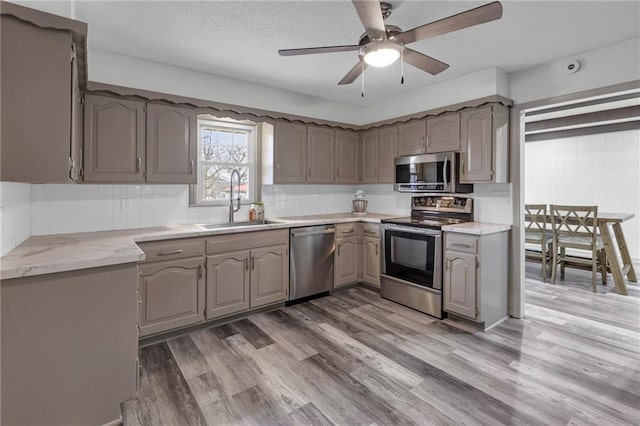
382,44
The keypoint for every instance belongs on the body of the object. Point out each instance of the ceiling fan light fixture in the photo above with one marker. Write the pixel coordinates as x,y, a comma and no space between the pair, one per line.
381,55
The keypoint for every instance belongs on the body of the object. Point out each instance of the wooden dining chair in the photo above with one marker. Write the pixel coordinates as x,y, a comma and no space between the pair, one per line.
538,236
576,227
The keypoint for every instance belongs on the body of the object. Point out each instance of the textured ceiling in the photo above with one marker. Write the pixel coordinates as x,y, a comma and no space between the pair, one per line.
240,39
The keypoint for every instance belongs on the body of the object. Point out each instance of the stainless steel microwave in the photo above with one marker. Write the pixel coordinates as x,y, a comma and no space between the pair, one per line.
429,173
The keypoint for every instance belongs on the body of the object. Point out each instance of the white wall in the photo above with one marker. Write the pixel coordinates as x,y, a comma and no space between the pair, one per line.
15,215
609,65
111,68
471,86
602,170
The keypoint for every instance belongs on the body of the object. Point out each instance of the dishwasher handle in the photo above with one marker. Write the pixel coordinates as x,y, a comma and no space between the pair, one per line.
307,234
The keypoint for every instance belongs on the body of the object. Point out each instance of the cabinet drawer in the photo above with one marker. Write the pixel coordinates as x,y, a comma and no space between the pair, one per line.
370,230
461,242
246,240
172,249
346,229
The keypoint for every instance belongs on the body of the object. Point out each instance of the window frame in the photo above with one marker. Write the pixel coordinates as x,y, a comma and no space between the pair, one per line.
251,129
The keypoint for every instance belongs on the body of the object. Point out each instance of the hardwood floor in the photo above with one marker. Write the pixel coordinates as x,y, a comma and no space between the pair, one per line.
355,358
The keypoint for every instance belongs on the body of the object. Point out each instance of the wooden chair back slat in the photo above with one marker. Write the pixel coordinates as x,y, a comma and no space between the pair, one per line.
535,218
574,221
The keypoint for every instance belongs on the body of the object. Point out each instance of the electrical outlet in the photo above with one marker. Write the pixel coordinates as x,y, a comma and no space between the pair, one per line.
126,206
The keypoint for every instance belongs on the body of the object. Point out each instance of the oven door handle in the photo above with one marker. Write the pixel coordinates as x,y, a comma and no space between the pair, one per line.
412,230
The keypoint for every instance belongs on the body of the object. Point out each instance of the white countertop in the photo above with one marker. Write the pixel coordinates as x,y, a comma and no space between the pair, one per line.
67,252
477,228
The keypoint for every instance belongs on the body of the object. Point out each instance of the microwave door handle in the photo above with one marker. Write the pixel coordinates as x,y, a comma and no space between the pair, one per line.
445,169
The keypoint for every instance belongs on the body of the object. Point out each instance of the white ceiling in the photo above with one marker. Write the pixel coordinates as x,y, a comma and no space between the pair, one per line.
240,39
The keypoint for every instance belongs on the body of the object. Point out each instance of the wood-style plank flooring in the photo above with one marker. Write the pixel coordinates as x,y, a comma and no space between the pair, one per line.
355,358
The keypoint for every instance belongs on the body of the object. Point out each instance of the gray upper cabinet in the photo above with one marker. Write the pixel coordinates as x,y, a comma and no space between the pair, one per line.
411,138
36,102
320,154
114,140
290,151
346,148
443,133
484,154
370,156
387,152
172,142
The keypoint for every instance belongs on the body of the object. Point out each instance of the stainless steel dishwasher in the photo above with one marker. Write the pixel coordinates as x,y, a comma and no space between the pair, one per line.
311,263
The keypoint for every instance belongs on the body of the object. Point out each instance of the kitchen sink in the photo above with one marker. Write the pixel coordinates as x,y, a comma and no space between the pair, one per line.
212,226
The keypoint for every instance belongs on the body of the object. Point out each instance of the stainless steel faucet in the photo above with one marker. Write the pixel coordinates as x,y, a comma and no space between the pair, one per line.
233,209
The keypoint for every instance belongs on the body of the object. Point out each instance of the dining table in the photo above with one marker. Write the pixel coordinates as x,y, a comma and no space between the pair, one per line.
623,267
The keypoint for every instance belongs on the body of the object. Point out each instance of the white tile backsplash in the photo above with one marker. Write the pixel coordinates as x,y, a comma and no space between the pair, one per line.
15,215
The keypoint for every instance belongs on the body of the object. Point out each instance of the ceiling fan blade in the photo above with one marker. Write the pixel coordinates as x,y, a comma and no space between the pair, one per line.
479,15
424,62
371,16
313,50
353,73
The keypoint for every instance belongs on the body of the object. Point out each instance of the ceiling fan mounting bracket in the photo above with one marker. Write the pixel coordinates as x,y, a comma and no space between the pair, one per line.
386,9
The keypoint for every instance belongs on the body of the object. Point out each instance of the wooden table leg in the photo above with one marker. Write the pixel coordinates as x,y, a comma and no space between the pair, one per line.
618,279
624,252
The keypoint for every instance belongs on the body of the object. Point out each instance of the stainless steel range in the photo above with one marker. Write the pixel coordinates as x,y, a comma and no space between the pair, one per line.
412,251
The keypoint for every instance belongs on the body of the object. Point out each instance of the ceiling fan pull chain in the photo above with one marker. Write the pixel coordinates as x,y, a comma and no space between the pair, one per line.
363,69
402,63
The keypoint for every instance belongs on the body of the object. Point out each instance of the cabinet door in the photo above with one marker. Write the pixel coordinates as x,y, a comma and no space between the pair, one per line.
36,103
172,142
460,284
290,151
171,294
443,133
371,260
269,275
370,156
113,139
388,149
227,283
347,261
476,157
320,155
346,157
411,137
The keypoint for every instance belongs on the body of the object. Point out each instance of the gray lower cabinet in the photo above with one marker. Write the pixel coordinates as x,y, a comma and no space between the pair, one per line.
269,275
228,283
476,270
172,294
347,261
172,143
69,346
114,140
37,101
371,260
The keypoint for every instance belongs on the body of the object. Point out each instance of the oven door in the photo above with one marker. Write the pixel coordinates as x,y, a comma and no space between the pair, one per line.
413,254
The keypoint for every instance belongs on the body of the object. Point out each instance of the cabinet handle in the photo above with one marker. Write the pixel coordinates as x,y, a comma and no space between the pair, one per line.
447,264
338,173
138,164
309,173
369,232
253,263
278,167
461,245
199,271
376,249
191,167
338,249
169,253
139,298
351,231
246,264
